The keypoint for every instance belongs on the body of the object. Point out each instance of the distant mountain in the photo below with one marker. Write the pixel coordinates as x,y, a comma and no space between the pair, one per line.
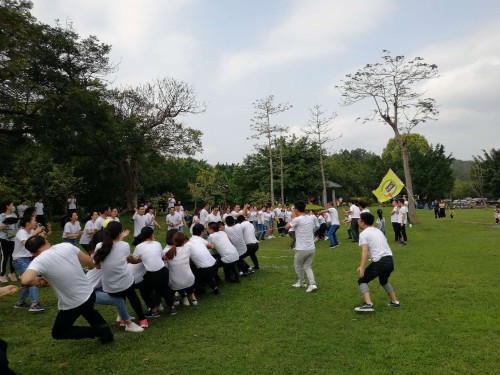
461,169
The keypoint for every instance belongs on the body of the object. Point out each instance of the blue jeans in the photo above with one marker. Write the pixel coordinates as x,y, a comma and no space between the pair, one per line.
102,298
332,236
261,231
21,265
70,240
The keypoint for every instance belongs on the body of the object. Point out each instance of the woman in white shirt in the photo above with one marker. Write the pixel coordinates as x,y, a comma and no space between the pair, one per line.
181,278
112,255
150,253
72,229
88,232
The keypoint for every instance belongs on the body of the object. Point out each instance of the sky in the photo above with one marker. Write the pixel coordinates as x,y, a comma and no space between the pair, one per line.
236,52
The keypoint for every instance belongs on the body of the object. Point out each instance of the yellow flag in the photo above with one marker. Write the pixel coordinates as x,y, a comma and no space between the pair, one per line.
390,187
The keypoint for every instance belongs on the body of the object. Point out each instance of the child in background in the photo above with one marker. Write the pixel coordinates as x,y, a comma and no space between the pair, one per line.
452,213
380,221
497,214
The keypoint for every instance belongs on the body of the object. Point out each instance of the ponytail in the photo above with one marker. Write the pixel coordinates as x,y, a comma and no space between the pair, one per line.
111,233
179,240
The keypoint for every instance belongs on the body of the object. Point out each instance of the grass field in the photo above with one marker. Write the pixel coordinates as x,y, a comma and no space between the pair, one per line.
448,323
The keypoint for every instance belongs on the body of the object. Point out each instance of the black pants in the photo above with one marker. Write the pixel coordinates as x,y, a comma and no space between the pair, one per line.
355,229
321,231
63,326
40,219
402,233
135,302
7,248
281,225
206,276
381,269
291,233
397,231
157,282
4,363
252,249
230,271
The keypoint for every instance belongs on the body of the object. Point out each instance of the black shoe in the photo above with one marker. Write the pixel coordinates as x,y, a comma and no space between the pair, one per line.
365,308
393,304
104,333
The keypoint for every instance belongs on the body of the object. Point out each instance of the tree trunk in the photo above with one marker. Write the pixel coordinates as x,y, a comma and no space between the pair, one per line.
409,185
271,169
130,174
323,179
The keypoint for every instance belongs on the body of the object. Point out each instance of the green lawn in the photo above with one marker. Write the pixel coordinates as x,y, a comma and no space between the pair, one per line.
448,322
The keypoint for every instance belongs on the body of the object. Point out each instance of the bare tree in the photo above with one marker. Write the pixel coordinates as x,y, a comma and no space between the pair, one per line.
319,126
261,125
148,116
477,176
390,85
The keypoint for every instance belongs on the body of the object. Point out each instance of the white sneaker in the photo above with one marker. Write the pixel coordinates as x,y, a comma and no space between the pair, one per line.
3,279
160,307
132,327
311,288
298,284
185,301
12,277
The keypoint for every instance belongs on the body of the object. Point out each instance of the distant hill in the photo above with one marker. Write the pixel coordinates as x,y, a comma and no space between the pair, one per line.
461,169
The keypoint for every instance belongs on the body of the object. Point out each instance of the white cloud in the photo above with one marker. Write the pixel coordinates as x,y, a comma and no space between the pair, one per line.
309,30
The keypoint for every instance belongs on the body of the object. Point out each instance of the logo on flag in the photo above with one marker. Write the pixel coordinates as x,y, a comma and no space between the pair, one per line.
390,187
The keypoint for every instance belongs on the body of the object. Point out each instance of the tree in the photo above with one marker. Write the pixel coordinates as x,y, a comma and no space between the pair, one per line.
390,85
261,125
487,166
319,126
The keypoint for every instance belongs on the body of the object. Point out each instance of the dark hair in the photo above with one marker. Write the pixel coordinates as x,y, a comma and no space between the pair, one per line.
4,205
146,233
362,204
379,213
29,211
111,232
103,209
240,219
96,238
367,218
230,221
25,220
179,240
34,243
197,229
170,236
300,206
197,212
214,226
401,200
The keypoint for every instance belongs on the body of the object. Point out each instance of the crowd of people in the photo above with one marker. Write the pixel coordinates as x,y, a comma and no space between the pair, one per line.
109,273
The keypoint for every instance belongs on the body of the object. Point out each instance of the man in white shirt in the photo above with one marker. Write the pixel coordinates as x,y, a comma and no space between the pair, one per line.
61,267
235,233
203,215
374,246
334,224
228,253
206,267
173,219
40,216
394,219
354,213
402,220
303,226
140,220
214,217
103,215
250,240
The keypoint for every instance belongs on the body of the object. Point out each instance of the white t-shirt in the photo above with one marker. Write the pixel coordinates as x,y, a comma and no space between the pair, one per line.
139,223
149,220
377,243
235,235
248,232
137,270
200,255
19,249
261,218
236,214
403,211
150,252
203,217
72,203
94,276
252,216
355,212
71,228
214,218
365,210
39,208
180,274
224,247
395,214
20,209
304,232
174,221
10,231
60,266
334,216
98,223
321,219
115,274
87,233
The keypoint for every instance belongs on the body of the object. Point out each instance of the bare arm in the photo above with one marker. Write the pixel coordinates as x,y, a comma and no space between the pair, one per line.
86,260
364,260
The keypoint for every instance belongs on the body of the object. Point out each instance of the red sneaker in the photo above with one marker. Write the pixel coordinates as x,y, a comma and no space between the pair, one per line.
144,323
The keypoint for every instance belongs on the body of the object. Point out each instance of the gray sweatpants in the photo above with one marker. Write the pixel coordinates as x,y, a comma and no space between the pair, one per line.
303,262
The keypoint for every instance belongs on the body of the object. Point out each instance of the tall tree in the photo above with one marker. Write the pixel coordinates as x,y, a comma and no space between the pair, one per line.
390,85
319,126
262,126
487,166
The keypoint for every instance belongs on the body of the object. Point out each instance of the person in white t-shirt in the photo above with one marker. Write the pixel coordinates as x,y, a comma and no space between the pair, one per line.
226,250
150,253
402,220
363,207
203,215
114,214
250,240
374,246
21,208
88,232
354,213
71,204
140,220
227,212
72,229
150,218
113,254
214,216
179,210
103,215
61,267
235,234
303,226
181,277
173,220
395,220
334,224
8,230
40,215
206,265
